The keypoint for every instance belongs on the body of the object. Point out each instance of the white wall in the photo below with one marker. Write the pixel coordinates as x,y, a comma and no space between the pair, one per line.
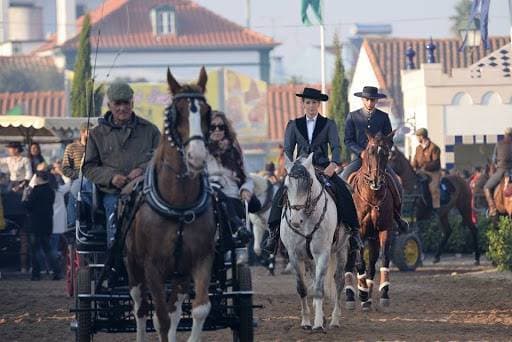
363,76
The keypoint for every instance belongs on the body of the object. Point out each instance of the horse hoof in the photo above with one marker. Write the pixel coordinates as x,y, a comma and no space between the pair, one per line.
384,302
477,263
335,325
306,327
366,306
350,305
319,329
436,260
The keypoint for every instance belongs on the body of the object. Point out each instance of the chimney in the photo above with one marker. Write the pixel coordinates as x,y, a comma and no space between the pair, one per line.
66,20
4,21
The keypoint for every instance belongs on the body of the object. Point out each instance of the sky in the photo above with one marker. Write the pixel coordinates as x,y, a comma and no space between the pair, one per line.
280,19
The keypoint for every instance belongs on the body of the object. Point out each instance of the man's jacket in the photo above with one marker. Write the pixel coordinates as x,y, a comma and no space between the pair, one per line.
115,149
358,123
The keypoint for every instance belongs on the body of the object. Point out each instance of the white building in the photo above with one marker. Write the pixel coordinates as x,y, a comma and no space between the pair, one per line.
139,39
382,59
465,112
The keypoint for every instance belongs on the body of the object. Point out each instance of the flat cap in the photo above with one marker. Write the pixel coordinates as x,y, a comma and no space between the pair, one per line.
120,91
423,132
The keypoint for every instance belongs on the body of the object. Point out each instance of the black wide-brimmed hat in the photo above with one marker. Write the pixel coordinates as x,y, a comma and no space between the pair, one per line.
15,144
370,93
312,93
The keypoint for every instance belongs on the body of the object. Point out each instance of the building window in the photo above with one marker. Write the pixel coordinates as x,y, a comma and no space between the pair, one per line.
163,20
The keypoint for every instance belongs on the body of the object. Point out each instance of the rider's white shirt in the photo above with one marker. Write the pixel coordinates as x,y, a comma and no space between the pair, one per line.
310,123
227,179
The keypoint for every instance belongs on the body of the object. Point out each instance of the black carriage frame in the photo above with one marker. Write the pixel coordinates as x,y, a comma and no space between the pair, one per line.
110,309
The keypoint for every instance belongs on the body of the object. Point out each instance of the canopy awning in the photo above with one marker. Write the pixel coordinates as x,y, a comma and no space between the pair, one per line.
26,128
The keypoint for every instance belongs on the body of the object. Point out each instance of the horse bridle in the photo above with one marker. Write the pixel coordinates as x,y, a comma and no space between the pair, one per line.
310,203
171,130
381,173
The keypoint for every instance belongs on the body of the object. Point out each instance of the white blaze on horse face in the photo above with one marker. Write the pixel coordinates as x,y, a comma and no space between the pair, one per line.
195,151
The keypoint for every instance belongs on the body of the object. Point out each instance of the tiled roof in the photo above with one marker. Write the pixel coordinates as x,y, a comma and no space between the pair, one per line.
41,103
283,106
127,24
499,59
31,63
387,56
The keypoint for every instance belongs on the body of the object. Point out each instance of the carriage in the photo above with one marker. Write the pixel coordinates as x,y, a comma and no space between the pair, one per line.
101,309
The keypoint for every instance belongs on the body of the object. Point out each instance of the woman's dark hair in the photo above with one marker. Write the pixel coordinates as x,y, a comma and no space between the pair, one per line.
232,157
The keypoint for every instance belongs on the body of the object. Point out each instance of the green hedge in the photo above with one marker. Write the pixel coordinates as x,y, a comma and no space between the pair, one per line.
460,240
500,244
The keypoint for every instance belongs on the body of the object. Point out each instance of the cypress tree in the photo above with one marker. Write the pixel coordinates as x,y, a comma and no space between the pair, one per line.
338,101
81,86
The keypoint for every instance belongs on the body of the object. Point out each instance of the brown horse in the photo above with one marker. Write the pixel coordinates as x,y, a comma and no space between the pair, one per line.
172,236
503,197
460,199
374,203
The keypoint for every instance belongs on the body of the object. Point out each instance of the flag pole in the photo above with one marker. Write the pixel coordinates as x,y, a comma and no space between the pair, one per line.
322,59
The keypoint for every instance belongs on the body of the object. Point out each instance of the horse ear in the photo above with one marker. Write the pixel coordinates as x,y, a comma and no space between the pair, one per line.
391,135
203,78
369,135
309,161
174,86
287,164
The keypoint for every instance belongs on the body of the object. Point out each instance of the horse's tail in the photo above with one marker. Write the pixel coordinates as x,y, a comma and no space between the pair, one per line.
330,283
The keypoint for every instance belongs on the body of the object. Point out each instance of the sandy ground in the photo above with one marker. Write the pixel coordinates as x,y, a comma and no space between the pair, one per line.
449,301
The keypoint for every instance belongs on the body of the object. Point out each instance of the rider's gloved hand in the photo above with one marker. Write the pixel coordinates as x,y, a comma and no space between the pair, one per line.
246,195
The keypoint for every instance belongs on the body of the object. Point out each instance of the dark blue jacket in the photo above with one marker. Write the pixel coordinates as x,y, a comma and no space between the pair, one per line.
358,122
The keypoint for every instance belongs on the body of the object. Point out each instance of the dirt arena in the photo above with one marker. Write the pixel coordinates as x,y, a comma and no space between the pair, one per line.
449,301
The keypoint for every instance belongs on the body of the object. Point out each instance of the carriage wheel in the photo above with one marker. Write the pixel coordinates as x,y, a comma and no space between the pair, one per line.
407,252
243,307
83,333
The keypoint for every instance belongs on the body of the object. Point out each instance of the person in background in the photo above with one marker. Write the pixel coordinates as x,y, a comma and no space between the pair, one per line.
39,201
71,168
20,173
270,173
281,164
61,187
35,156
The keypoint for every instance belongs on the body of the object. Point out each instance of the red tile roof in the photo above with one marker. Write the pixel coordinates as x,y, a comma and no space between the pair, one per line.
127,24
283,106
32,63
40,103
387,56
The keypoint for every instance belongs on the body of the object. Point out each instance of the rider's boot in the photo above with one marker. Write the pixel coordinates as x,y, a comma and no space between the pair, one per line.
270,244
490,202
403,225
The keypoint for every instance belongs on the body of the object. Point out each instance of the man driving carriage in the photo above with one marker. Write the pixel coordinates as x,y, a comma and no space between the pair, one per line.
372,120
502,158
118,149
427,162
314,133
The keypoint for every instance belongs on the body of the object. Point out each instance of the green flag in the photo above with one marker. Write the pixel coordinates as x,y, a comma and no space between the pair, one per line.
17,110
315,7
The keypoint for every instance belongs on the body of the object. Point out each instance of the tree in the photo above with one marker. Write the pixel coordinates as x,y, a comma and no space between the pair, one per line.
81,88
460,19
338,102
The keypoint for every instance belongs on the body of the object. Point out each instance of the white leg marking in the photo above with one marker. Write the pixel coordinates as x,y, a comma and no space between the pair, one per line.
304,310
199,314
319,313
136,294
175,318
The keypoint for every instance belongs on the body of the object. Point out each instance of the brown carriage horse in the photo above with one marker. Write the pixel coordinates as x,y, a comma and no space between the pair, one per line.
460,200
172,236
374,203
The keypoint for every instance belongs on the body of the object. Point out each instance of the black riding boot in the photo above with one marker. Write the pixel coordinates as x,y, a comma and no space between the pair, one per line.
269,246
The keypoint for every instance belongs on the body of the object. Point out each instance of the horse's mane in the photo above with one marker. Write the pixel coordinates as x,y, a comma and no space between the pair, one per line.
299,172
